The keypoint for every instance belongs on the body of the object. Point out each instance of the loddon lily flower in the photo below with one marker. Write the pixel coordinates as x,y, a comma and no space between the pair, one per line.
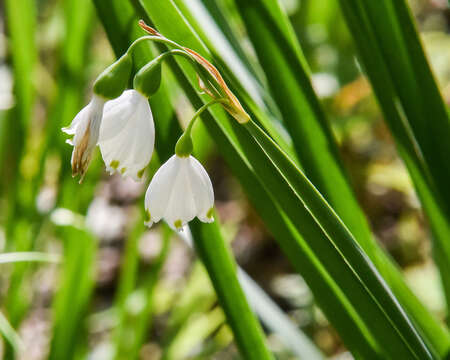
179,191
85,129
127,134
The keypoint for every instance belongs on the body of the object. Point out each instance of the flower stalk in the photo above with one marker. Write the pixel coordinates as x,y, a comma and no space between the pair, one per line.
184,146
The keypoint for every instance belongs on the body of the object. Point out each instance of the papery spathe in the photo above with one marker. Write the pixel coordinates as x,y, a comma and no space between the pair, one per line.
85,129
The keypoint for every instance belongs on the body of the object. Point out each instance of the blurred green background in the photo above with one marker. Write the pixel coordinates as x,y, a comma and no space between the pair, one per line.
50,53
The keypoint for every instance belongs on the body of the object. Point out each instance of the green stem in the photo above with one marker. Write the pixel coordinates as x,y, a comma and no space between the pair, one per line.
153,38
184,146
200,111
162,56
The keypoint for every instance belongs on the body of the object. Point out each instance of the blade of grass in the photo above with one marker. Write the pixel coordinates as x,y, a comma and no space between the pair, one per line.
26,256
220,47
290,85
21,27
130,349
76,285
197,330
378,73
412,78
17,298
196,297
343,240
127,283
415,85
10,335
324,246
211,248
272,316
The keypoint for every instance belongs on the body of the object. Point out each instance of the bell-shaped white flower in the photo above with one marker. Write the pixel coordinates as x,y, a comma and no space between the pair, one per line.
180,190
85,127
127,134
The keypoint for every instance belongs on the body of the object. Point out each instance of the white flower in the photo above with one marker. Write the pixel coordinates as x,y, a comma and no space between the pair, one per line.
127,134
85,128
179,191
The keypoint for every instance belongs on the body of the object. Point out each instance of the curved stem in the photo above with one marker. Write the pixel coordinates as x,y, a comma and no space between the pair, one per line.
200,110
153,38
163,55
184,146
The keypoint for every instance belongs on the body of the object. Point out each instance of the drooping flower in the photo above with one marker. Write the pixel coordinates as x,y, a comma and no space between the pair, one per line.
85,129
86,125
179,191
127,134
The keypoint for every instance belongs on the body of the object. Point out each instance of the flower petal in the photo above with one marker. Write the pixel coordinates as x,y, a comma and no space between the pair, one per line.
85,127
202,189
130,149
181,204
159,190
116,115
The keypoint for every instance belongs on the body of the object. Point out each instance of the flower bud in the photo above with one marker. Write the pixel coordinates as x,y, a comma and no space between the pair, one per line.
148,79
114,80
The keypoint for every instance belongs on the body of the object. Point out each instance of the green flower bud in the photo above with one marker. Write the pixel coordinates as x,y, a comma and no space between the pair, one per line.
184,146
114,80
148,79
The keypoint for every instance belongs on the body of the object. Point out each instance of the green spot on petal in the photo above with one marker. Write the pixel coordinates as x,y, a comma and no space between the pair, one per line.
114,164
210,213
122,171
178,224
148,217
140,173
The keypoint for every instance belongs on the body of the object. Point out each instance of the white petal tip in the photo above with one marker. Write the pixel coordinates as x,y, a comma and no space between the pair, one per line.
68,130
148,223
206,219
177,225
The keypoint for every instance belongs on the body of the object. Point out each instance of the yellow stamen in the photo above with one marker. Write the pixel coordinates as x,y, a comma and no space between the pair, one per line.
114,164
178,224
